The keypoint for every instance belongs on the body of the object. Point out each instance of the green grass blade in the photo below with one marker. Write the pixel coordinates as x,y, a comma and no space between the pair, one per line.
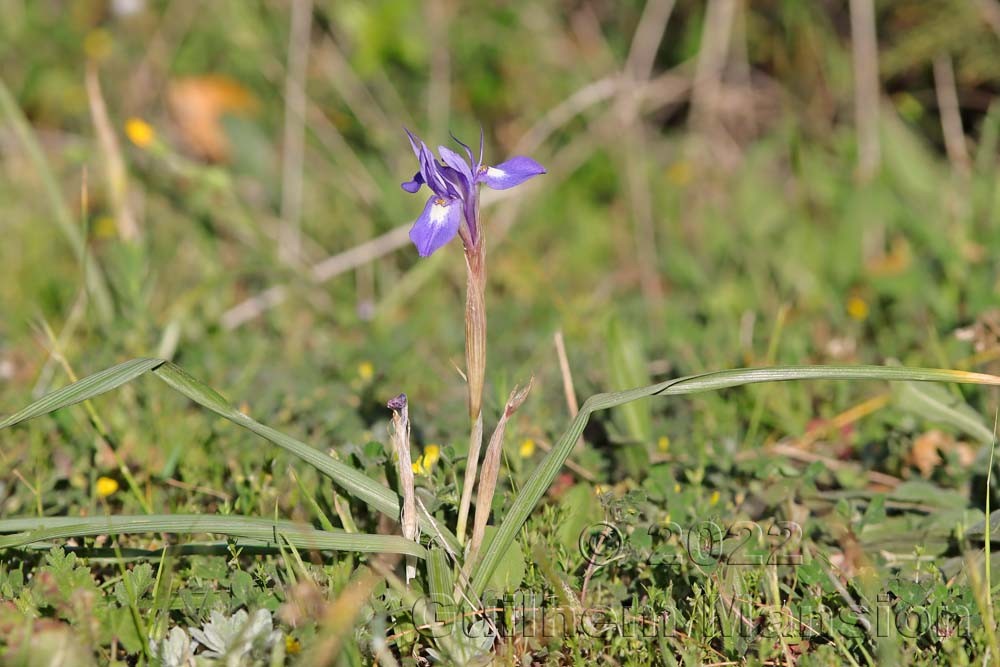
354,482
550,466
82,390
439,577
265,531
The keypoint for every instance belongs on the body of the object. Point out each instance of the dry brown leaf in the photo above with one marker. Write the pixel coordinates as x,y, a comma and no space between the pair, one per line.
198,105
924,454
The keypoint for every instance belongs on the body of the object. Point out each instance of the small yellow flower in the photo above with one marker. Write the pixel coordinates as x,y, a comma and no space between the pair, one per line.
292,645
105,487
418,466
527,448
663,444
599,489
431,455
423,464
140,132
857,308
366,371
714,499
677,488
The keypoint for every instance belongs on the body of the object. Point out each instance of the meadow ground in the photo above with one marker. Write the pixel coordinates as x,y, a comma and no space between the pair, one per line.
730,184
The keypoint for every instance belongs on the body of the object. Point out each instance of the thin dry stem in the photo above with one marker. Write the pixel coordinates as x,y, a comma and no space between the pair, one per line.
401,445
471,467
491,470
864,44
567,380
475,326
951,114
128,229
290,237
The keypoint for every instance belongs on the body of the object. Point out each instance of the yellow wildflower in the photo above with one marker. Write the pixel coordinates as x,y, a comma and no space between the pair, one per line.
423,464
714,499
431,455
527,448
366,371
292,645
663,444
857,308
140,132
105,487
418,466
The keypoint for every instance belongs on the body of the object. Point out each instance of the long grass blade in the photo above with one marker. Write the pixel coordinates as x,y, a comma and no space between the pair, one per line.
364,488
550,466
263,531
87,388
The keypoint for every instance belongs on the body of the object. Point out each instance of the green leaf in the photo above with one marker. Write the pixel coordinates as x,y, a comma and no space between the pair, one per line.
507,577
579,508
922,492
936,404
546,472
134,584
84,389
354,482
247,530
627,368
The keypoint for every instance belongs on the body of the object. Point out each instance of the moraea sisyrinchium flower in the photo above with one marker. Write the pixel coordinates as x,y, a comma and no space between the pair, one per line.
453,207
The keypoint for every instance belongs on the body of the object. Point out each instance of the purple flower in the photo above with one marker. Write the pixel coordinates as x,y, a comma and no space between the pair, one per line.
453,207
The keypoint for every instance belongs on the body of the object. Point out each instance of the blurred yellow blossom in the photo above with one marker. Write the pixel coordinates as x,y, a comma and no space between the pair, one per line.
97,44
663,444
527,448
105,227
680,173
366,371
140,132
292,645
714,499
431,454
423,464
857,308
105,487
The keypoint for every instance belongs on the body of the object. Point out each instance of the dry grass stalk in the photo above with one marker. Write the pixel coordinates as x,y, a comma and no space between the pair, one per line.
491,470
401,445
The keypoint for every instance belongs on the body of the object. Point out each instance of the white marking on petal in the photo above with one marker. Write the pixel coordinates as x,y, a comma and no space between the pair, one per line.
493,172
439,212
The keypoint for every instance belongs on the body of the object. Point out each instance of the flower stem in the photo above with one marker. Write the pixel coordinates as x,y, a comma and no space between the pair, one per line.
475,368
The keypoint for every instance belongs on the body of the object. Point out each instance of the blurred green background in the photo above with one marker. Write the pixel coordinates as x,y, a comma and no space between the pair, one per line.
729,184
706,187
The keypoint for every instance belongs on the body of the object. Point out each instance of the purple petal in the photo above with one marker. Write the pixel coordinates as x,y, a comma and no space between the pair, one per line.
513,172
482,145
414,185
455,161
428,166
437,225
468,151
